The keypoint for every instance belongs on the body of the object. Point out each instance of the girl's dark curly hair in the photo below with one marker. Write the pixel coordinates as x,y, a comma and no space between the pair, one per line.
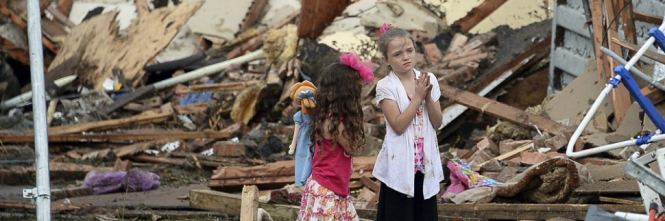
338,99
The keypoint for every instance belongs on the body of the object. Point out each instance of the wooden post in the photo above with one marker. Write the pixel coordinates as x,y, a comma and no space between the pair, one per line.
478,14
628,18
249,204
620,96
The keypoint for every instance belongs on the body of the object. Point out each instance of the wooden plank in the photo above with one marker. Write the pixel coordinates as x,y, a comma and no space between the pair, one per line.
215,201
605,199
126,136
222,87
156,159
478,14
620,96
528,211
598,34
496,76
132,149
650,53
29,206
656,20
146,117
531,55
510,153
502,110
628,18
71,192
623,187
316,15
249,204
274,175
654,94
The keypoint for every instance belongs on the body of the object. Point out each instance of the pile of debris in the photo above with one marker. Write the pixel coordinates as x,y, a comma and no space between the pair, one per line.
158,94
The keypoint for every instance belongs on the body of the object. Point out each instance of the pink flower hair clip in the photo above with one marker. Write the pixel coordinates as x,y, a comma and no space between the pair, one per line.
384,28
364,69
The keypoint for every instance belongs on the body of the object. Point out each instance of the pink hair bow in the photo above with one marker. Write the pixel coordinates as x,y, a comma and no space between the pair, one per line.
384,28
353,60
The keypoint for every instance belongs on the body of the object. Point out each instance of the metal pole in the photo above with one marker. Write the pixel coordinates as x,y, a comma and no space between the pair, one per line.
43,191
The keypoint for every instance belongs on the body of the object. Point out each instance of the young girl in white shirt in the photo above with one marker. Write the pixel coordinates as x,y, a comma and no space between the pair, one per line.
409,164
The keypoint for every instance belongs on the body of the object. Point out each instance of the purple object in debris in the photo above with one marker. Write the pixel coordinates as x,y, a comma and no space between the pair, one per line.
141,180
118,181
105,182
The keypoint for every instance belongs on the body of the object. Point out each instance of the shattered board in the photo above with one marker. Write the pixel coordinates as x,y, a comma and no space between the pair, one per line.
104,51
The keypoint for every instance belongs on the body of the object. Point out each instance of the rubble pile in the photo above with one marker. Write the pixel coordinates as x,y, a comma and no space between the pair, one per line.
160,109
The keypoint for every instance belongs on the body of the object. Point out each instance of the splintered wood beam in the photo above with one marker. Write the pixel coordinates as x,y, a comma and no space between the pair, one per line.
150,116
223,87
510,211
650,53
503,111
249,204
620,95
128,136
478,14
55,207
648,18
628,18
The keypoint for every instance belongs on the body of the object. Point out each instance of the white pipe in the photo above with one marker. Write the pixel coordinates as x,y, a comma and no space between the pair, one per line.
584,123
208,70
596,104
632,216
15,101
43,190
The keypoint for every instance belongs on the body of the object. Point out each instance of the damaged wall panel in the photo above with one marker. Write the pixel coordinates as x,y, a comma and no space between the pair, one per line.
104,51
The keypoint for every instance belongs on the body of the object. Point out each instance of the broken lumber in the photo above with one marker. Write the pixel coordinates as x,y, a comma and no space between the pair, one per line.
55,207
104,52
115,137
650,53
157,159
510,153
496,76
477,14
274,174
223,87
146,117
503,111
132,149
249,204
656,20
528,211
316,15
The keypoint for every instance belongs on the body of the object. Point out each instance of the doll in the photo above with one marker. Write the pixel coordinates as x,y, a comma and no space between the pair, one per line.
303,94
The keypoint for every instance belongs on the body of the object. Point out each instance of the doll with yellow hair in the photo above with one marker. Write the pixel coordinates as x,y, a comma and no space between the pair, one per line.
303,94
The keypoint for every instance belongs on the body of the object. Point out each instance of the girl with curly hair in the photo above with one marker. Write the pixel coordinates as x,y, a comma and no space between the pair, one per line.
337,135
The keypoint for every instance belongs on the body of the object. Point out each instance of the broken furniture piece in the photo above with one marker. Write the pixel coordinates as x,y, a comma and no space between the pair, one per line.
623,75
